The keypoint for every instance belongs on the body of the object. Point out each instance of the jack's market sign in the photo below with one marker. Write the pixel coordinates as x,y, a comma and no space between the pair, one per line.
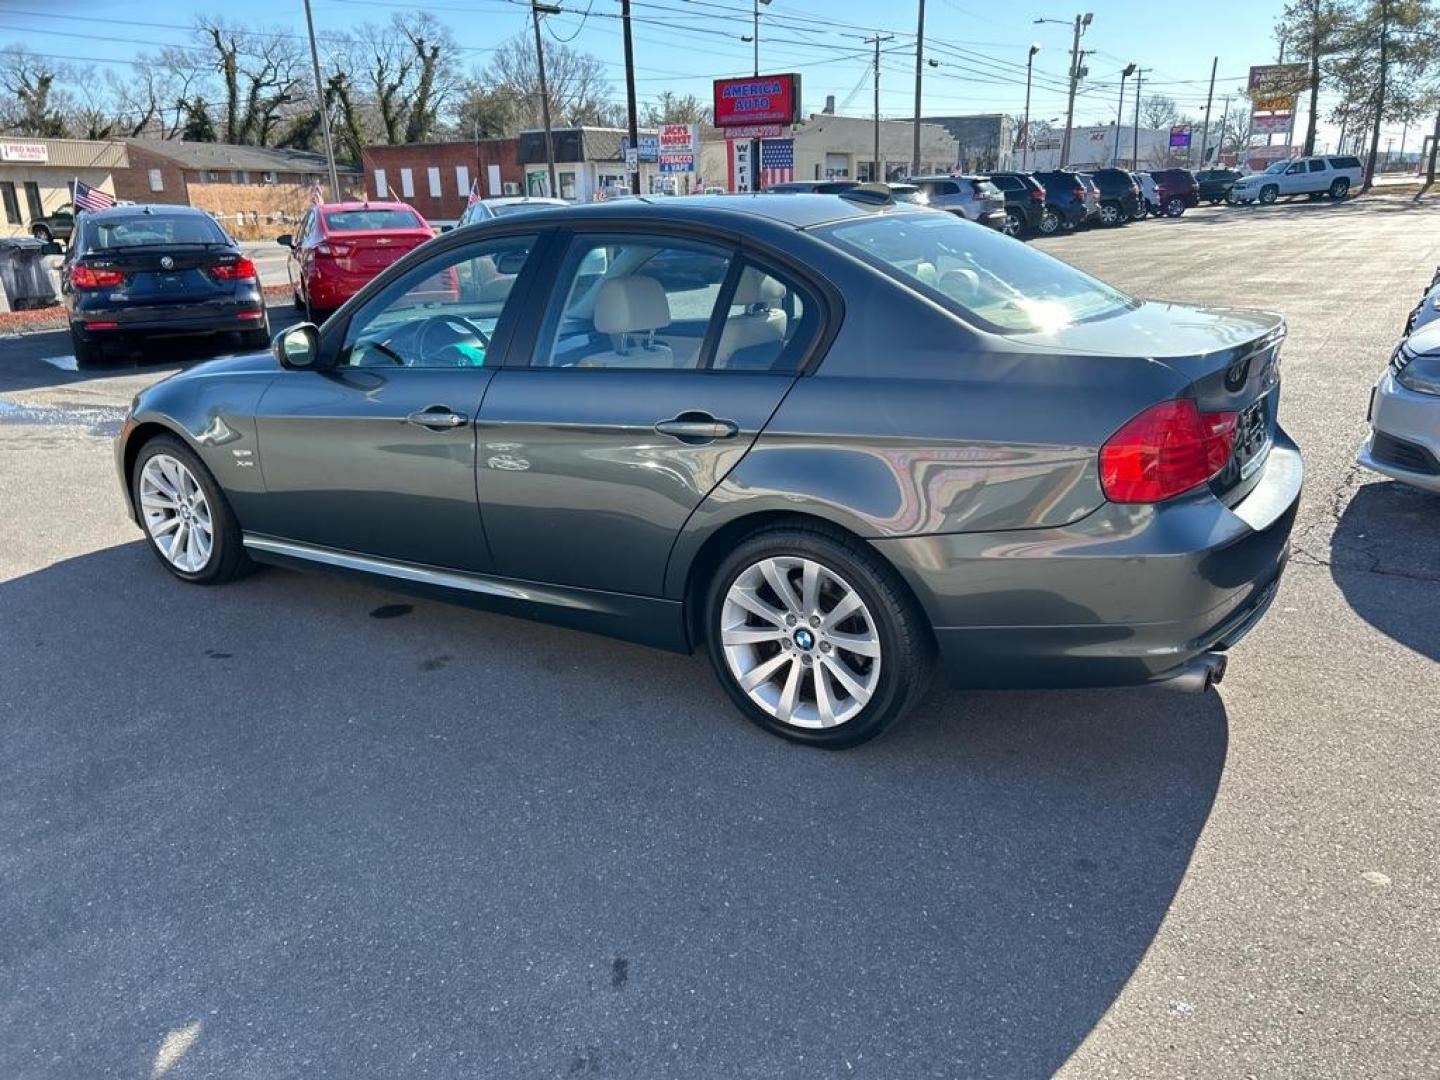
767,99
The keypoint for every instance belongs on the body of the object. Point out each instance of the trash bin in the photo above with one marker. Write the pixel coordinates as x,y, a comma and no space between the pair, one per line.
23,273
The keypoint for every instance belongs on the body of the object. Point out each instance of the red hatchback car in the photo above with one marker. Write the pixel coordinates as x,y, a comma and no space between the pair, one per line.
341,246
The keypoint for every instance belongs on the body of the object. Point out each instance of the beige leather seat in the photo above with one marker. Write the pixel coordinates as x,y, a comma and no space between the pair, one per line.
761,323
630,309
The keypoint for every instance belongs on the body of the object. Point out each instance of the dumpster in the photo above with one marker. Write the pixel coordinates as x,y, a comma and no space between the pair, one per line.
24,275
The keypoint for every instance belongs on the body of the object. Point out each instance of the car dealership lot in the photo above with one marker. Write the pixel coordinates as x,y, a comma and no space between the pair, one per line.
298,827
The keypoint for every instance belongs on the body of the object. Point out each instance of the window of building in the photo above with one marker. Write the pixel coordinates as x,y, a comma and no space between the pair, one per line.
432,174
33,201
157,180
382,189
462,180
407,184
269,177
12,204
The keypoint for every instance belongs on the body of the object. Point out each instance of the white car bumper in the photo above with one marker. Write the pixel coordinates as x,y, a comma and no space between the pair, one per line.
1404,440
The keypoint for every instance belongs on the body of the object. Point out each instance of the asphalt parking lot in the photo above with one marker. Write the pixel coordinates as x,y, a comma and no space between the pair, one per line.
295,827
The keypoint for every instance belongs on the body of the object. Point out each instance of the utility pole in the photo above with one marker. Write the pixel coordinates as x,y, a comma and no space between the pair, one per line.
324,110
1434,146
1120,111
1205,138
1076,56
755,72
634,123
1135,149
1224,118
1029,68
536,9
919,68
877,40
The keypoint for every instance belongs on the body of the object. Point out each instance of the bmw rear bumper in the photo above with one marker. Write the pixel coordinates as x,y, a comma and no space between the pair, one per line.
208,317
1125,596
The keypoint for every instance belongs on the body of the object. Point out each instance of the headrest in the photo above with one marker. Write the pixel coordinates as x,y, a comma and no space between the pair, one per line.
757,287
631,305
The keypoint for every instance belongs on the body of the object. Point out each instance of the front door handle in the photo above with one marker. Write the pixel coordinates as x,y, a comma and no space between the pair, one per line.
696,426
437,418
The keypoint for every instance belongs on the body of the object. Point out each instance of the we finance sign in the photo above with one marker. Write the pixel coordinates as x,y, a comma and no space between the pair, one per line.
765,99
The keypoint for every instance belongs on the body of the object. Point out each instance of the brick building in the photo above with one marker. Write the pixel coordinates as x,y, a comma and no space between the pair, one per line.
435,178
253,190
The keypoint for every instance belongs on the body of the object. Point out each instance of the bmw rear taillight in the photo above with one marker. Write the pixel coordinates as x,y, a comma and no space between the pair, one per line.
242,269
86,277
1167,450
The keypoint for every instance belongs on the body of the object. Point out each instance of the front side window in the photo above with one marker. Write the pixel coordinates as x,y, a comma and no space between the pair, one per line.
1002,285
441,314
1300,168
634,302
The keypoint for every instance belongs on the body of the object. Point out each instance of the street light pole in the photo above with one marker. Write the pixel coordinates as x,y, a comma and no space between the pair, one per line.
536,8
1029,70
1081,22
324,112
1135,148
919,68
1209,98
1120,111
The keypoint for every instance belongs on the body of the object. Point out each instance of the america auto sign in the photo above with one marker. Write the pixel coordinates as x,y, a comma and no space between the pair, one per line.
765,99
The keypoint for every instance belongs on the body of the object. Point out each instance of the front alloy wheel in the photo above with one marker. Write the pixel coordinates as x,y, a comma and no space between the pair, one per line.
814,637
1269,193
1175,207
1014,224
1049,222
185,515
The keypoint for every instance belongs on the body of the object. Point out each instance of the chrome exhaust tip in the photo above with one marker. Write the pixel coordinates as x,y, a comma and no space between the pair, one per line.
1198,675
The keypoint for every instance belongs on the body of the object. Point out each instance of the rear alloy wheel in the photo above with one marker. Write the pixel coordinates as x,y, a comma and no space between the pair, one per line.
1340,189
1142,211
1110,213
1049,222
1175,207
1014,223
1268,194
815,638
190,526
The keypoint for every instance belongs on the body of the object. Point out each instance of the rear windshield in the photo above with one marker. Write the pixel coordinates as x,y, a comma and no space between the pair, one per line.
147,230
1000,283
370,220
522,207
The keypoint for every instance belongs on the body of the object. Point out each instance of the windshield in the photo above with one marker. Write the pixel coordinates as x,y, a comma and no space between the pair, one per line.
148,230
370,220
990,278
1278,167
523,207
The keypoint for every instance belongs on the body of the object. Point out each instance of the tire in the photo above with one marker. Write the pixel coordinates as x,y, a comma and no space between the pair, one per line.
886,620
226,558
1215,202
1111,214
296,299
1340,189
1268,194
255,339
1142,211
1014,223
88,354
41,233
1049,222
1175,207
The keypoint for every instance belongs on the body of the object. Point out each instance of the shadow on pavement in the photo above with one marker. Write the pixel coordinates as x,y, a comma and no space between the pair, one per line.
1388,539
301,840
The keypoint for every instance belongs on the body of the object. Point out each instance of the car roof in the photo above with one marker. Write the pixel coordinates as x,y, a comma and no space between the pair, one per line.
798,211
145,210
515,200
367,205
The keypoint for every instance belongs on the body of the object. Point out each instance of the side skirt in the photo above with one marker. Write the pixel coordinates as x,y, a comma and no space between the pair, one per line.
642,619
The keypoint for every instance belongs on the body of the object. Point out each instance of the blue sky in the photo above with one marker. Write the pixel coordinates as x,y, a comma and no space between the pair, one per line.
681,44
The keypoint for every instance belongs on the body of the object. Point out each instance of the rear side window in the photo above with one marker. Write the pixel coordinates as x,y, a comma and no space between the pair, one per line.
1317,165
145,230
986,277
1006,183
370,220
938,187
1345,162
985,187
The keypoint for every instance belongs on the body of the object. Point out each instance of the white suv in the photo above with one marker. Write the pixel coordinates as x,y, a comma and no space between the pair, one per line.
1313,176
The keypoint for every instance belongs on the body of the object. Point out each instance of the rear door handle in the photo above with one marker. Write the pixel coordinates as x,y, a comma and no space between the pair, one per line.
437,418
697,426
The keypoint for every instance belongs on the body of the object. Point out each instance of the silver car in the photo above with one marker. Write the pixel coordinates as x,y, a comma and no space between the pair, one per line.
1404,441
972,197
489,209
1428,309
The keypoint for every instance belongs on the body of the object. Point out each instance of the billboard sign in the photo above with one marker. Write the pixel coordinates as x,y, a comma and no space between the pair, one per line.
1278,80
1179,136
766,99
678,139
649,146
32,152
677,163
1272,124
755,131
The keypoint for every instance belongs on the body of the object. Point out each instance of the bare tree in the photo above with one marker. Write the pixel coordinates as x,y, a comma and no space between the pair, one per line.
673,108
1157,110
262,77
34,105
579,91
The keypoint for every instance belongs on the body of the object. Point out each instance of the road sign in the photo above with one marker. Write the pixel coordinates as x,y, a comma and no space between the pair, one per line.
1272,123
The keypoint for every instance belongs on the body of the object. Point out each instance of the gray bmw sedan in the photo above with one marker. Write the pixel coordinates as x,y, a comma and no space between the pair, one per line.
830,440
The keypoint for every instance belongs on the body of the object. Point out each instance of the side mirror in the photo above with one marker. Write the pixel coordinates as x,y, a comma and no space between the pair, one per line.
298,348
285,240
50,247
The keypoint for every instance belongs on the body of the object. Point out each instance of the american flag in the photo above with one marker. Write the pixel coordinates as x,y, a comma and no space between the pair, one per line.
777,161
89,198
315,195
474,195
